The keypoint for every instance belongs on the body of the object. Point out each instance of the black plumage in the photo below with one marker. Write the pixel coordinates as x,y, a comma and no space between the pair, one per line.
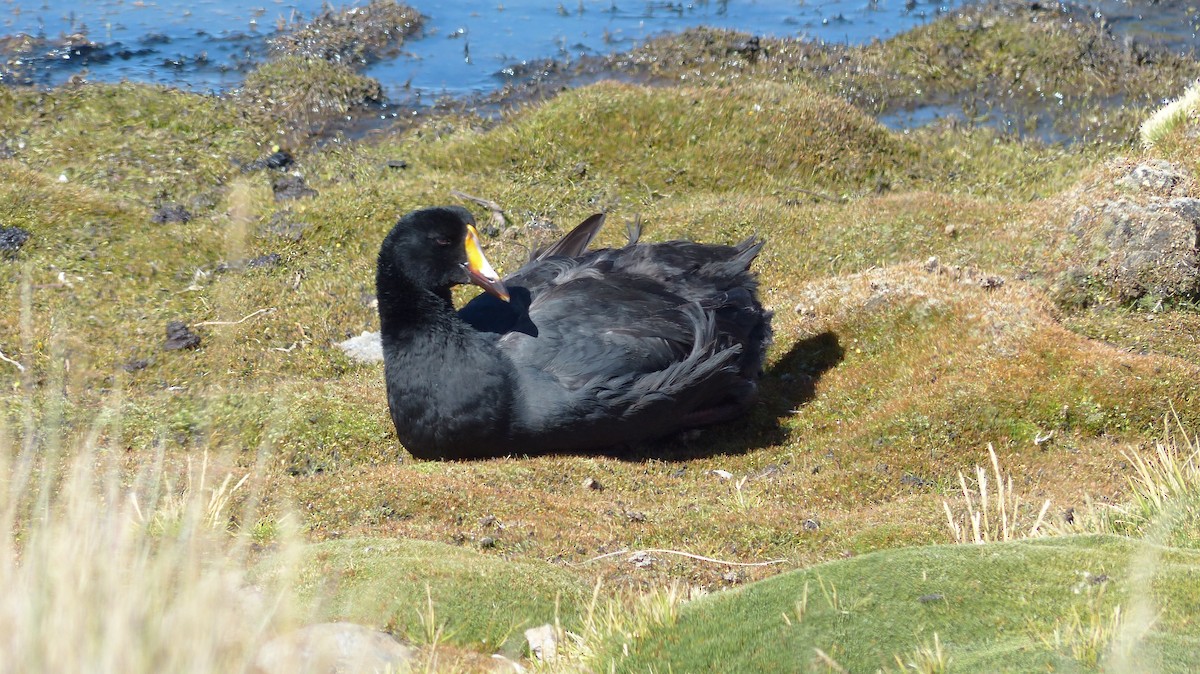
594,350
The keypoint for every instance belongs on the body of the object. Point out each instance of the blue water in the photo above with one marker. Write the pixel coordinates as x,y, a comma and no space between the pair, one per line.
208,45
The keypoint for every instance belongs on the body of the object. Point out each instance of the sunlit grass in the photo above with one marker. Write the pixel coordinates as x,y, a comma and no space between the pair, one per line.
992,511
106,575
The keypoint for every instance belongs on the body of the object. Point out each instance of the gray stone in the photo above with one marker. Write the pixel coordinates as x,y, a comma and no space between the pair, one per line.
1156,177
365,348
12,238
333,648
543,642
1135,249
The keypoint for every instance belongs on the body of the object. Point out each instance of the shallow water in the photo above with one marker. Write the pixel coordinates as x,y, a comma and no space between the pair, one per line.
207,45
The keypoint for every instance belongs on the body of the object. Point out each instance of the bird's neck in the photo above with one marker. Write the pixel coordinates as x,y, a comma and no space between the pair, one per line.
405,307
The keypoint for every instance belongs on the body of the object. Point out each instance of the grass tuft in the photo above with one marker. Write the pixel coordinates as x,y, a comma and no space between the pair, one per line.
133,579
997,517
1086,638
926,659
1171,117
611,624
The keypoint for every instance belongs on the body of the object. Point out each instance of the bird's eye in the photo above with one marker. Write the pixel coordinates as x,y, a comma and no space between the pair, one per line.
442,241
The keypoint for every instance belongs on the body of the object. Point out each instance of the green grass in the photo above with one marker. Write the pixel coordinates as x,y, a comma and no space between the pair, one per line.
417,588
993,608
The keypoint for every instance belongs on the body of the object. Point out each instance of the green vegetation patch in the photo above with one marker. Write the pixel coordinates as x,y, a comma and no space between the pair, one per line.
429,593
1022,606
295,94
1034,66
142,142
352,35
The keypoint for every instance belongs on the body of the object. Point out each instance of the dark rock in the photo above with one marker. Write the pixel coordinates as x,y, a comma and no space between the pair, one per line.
487,542
748,48
397,164
135,365
288,186
929,598
279,159
170,213
593,483
12,238
811,524
268,260
180,337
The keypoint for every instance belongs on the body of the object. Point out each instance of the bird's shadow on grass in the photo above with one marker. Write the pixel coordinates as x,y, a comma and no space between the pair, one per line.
787,385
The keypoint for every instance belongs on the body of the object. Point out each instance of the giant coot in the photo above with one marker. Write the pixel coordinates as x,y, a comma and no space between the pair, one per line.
576,351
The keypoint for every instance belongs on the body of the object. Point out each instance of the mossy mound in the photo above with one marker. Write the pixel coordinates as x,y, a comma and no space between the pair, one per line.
1011,607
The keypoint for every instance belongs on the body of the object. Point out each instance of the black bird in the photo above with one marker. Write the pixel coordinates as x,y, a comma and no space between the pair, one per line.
582,350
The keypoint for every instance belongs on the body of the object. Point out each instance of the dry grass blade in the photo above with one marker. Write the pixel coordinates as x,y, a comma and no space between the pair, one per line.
96,582
992,515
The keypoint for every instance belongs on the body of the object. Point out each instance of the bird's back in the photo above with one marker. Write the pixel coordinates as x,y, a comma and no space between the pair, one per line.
641,341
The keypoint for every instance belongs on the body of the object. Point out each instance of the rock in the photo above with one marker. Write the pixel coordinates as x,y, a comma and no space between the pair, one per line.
179,336
543,642
1143,250
1156,177
397,164
135,365
991,282
170,213
593,484
288,186
12,238
333,648
811,524
280,159
487,542
268,260
365,348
